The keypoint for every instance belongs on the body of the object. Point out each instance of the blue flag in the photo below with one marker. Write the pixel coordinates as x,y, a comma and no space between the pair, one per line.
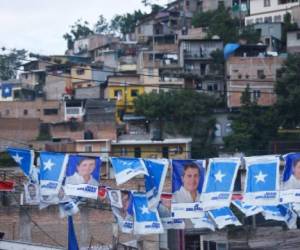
146,221
127,168
247,210
24,158
203,222
219,182
154,182
72,241
52,173
224,217
290,189
262,180
281,213
229,49
6,90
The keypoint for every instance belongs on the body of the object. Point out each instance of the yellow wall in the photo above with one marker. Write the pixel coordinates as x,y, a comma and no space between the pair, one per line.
152,150
84,75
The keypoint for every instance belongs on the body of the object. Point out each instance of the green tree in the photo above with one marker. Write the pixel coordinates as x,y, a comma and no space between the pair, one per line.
183,112
10,64
218,22
101,26
287,89
78,30
251,35
252,128
287,26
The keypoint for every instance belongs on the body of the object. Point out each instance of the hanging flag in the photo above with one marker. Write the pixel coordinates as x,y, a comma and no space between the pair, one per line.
262,180
229,49
164,211
72,241
6,90
52,172
204,222
154,182
32,194
247,210
219,182
145,221
24,158
82,176
187,181
127,168
224,217
281,213
290,188
69,208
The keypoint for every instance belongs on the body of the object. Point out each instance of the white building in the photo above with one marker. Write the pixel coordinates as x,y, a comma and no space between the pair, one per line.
267,11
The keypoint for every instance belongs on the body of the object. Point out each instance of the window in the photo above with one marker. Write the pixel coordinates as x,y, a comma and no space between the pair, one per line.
134,92
88,148
165,152
137,152
298,36
215,86
277,18
261,74
124,151
118,94
267,41
80,71
228,128
187,4
221,4
278,73
218,131
255,95
267,3
259,20
50,111
200,5
25,112
287,1
150,72
268,19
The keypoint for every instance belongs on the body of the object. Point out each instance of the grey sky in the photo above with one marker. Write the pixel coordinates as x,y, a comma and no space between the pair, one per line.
38,25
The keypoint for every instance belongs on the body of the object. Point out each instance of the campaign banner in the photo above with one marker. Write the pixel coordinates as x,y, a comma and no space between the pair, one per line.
61,197
146,221
224,217
82,176
127,168
219,182
154,182
52,172
262,180
164,211
187,181
32,194
204,222
122,212
290,185
247,210
115,198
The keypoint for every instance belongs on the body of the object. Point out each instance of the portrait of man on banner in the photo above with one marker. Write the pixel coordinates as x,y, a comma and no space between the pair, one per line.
82,170
188,177
32,194
291,174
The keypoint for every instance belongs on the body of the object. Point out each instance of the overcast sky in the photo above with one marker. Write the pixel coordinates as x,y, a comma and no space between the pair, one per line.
38,25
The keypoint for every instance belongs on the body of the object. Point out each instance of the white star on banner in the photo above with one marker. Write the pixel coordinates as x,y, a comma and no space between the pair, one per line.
260,177
18,158
6,90
219,176
48,165
145,210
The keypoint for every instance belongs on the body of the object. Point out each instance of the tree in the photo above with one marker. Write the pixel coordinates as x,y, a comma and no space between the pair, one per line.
10,64
252,128
183,112
218,22
287,89
102,26
80,29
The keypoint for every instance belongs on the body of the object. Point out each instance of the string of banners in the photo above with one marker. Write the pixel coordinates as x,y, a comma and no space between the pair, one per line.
201,193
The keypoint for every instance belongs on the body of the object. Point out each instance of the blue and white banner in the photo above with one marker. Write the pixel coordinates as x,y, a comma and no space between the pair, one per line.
145,221
204,222
187,181
52,172
281,213
127,168
290,188
247,210
6,90
24,158
224,217
82,176
122,212
262,180
154,182
219,182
